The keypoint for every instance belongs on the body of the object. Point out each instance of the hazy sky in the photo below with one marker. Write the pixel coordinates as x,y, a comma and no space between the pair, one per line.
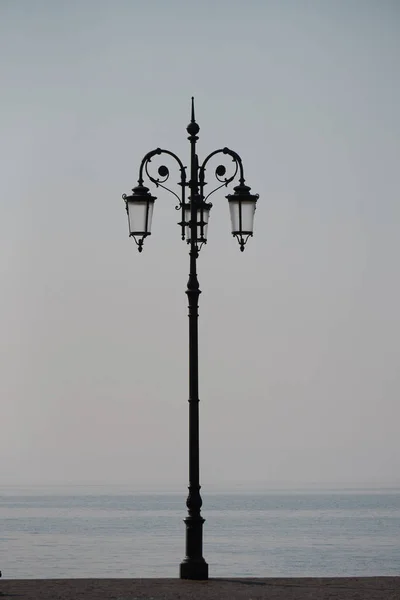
299,335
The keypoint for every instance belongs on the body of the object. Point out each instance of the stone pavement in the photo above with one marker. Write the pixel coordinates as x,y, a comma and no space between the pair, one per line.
337,588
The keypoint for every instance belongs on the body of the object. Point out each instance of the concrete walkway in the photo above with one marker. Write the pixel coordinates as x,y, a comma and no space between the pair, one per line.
352,588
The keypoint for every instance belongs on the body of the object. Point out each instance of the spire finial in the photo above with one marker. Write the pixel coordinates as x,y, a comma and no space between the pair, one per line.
193,119
193,129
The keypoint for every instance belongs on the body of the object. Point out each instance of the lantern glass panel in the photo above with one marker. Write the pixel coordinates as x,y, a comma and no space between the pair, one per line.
203,214
140,214
242,215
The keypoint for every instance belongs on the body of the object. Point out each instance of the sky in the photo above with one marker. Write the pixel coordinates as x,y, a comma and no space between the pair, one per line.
299,334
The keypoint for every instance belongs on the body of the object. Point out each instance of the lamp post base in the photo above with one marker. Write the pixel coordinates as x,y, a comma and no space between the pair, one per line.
194,569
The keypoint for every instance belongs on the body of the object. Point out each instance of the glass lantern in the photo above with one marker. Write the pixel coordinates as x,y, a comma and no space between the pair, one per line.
242,206
202,217
139,207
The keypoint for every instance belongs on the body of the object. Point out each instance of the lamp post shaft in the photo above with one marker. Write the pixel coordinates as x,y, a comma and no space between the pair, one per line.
193,566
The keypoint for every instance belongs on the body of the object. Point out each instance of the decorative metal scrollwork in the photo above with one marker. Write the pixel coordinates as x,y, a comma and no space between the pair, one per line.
163,172
220,171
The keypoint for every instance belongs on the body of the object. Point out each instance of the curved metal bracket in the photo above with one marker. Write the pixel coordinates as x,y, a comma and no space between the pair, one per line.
220,171
163,173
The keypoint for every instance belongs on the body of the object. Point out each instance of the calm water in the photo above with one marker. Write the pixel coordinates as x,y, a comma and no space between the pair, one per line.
101,532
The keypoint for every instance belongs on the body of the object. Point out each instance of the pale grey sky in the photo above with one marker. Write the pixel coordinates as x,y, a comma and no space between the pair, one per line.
299,335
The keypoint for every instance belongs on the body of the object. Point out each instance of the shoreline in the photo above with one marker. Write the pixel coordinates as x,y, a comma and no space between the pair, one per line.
252,588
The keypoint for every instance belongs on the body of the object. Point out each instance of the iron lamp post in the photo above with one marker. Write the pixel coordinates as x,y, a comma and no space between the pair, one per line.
195,212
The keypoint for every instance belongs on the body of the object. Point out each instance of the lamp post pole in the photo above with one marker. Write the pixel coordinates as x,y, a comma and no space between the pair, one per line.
195,214
194,566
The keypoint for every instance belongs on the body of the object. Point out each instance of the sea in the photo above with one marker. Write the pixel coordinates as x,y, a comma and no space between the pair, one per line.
118,531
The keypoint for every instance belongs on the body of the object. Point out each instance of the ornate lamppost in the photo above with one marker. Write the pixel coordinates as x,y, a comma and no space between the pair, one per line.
195,211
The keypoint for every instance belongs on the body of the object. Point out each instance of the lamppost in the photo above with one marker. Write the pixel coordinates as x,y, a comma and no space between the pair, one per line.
195,211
